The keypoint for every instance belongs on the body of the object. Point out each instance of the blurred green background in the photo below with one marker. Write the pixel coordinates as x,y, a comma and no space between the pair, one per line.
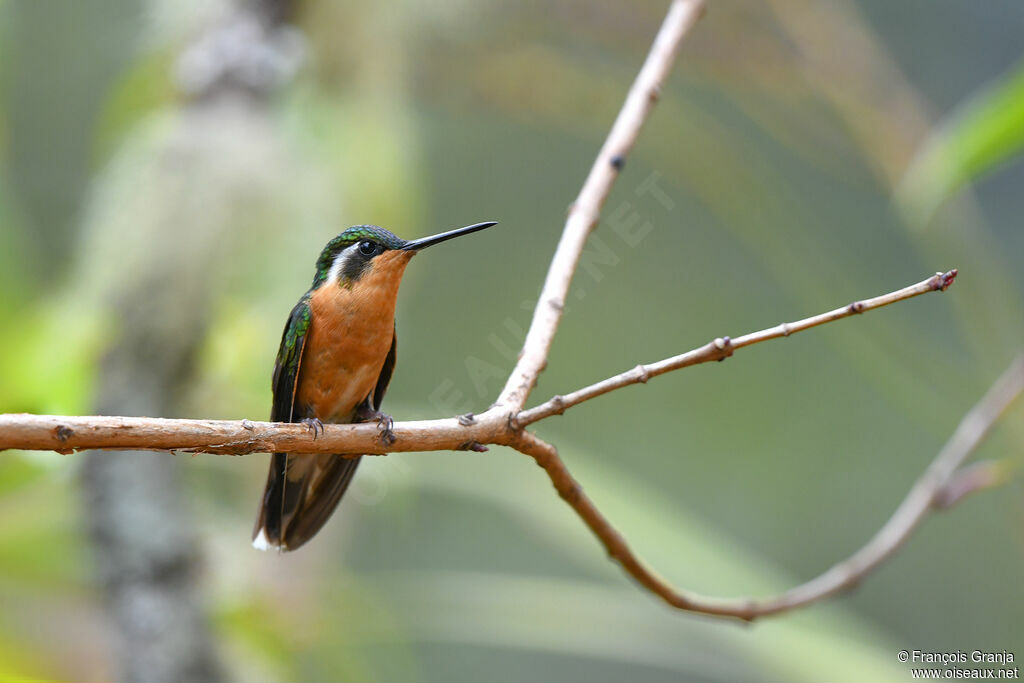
810,153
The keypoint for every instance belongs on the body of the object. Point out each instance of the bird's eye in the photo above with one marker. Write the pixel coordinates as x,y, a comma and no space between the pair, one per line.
367,248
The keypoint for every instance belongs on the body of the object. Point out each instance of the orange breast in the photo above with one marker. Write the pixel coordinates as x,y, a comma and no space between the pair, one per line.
349,338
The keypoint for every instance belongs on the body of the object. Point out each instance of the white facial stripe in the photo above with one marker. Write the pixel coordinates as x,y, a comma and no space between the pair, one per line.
339,263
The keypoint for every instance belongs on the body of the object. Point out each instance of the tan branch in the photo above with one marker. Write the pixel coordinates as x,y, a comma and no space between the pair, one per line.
233,437
723,347
65,434
930,492
239,437
942,485
586,210
49,432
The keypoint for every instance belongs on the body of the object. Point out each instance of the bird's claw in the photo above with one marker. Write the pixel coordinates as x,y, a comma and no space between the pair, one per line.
387,434
314,425
384,421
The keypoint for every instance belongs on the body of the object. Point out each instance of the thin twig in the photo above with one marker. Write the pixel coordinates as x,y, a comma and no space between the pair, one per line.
980,476
233,437
67,434
943,484
586,210
927,494
915,506
723,347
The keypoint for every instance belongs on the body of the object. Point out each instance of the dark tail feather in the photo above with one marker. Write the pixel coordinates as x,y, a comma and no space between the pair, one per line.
302,492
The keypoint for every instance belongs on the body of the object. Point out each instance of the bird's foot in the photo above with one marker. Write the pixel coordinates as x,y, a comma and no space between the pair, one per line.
314,425
383,420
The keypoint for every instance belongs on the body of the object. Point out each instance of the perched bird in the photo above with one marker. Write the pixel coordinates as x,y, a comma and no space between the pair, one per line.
335,361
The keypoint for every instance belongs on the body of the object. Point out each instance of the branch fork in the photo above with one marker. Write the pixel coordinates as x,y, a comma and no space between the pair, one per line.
942,485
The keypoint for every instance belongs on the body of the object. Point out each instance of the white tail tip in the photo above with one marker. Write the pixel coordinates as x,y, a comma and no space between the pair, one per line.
261,542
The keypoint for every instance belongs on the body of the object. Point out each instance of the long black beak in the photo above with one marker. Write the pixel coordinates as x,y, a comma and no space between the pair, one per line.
425,242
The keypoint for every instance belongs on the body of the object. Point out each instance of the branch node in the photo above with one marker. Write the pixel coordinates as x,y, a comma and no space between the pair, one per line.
642,374
748,612
571,493
618,161
248,425
856,307
946,279
980,476
654,94
471,445
786,329
513,423
723,345
63,433
558,402
467,419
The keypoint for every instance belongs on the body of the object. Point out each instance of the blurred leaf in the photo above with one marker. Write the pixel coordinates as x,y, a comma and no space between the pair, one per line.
48,360
17,472
18,664
255,629
984,131
229,384
144,88
40,545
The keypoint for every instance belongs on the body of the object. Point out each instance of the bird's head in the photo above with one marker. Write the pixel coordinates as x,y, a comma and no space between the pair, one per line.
365,249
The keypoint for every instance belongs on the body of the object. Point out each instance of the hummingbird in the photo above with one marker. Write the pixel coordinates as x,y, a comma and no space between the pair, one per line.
334,364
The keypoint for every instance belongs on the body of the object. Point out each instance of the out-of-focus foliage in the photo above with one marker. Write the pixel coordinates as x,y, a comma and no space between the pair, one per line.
987,130
775,147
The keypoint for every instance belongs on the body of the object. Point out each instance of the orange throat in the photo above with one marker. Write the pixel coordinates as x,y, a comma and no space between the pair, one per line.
353,325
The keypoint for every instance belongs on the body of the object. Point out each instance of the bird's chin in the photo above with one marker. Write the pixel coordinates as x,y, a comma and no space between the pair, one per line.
392,262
